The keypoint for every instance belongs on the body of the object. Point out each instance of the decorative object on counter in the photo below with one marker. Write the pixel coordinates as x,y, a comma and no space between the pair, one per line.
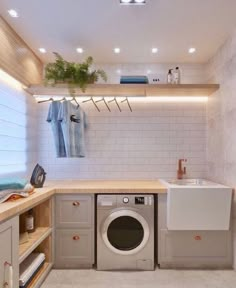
73,74
14,188
38,176
133,80
176,76
181,170
68,123
170,77
29,268
29,221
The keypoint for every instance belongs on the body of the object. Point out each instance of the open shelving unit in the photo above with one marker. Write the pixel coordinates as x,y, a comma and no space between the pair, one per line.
127,90
35,238
39,241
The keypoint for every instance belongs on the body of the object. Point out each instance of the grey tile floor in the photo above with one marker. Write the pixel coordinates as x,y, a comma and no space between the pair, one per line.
151,279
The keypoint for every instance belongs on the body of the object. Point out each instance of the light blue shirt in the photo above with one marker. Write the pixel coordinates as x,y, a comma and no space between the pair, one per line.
73,123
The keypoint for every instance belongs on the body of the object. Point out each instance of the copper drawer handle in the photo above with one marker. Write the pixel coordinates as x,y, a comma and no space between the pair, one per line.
76,203
76,237
197,237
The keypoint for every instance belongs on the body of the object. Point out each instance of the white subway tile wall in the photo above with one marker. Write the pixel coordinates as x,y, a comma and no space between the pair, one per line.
143,144
221,123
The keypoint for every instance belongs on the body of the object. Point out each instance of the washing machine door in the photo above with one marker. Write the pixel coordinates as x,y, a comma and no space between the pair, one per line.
125,232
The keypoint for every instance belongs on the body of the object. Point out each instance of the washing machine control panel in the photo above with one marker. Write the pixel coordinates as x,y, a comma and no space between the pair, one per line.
125,200
140,200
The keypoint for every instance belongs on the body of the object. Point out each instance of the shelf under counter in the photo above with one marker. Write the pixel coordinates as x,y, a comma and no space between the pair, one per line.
35,239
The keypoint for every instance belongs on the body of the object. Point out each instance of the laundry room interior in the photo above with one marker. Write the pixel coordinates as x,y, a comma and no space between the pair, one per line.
117,143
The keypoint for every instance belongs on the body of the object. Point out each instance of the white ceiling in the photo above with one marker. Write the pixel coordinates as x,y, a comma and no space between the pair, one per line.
100,25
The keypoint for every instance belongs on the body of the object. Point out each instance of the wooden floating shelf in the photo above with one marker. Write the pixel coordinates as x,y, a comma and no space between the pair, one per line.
129,90
35,239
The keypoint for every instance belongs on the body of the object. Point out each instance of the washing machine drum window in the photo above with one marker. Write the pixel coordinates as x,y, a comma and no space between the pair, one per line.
125,233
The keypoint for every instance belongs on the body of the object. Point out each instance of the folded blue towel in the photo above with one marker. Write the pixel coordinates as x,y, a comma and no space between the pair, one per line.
12,183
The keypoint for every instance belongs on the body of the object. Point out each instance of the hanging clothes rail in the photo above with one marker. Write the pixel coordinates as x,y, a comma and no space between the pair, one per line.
91,100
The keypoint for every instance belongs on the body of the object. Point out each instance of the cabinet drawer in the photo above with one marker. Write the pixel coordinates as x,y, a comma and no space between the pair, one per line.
74,248
74,211
211,247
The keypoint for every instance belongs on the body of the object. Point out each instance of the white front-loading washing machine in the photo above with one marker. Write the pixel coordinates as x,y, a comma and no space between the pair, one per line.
125,232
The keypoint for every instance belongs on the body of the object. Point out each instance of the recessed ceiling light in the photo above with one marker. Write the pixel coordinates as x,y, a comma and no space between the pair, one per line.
117,50
132,2
192,50
80,50
13,13
42,50
118,71
154,50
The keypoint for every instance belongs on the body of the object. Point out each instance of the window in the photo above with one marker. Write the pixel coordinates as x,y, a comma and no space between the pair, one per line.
13,125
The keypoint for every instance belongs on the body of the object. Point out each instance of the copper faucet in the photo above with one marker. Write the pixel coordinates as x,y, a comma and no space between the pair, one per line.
181,171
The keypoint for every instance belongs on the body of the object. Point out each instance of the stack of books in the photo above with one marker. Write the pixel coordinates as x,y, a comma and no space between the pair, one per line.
29,268
133,80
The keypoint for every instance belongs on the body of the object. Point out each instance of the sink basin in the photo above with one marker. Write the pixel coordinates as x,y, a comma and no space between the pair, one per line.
197,204
189,182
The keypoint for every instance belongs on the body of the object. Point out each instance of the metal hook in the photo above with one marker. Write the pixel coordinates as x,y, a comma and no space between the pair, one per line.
48,100
74,99
115,102
127,100
103,99
63,99
91,99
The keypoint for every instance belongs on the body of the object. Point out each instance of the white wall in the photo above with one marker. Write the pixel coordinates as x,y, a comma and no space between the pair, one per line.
144,144
221,123
190,73
18,134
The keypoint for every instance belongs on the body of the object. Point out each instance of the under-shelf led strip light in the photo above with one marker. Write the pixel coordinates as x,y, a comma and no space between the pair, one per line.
132,99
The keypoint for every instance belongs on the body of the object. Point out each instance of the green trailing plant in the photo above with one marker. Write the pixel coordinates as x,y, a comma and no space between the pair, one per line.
73,74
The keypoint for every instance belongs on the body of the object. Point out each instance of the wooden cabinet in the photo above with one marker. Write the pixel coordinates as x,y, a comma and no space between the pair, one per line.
9,239
74,211
74,247
191,249
74,231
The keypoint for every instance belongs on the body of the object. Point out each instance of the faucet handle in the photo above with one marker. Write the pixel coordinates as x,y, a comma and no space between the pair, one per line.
185,170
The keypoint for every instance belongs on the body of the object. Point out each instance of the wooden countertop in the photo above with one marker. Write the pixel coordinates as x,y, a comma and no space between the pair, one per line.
10,209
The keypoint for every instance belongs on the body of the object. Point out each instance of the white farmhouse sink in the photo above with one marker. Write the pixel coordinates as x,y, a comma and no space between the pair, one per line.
197,204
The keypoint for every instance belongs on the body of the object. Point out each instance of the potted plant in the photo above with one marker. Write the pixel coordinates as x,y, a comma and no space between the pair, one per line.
71,73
